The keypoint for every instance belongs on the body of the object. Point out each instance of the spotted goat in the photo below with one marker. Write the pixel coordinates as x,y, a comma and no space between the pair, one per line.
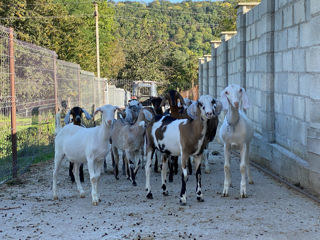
182,137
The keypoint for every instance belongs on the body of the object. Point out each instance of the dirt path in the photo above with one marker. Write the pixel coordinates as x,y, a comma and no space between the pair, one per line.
271,211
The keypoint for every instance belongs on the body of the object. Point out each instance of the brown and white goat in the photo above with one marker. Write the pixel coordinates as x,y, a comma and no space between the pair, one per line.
182,137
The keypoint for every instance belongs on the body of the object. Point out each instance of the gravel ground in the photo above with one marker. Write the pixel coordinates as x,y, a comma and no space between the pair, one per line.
271,211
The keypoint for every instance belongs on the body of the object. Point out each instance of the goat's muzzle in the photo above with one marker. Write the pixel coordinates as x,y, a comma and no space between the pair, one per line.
109,122
236,104
209,115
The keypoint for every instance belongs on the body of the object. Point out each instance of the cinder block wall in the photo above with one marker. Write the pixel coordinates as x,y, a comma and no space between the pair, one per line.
275,55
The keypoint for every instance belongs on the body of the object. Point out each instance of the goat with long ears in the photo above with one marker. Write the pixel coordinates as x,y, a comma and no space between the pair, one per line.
236,130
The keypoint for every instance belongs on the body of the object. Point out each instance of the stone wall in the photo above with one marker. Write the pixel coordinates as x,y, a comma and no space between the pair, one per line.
275,56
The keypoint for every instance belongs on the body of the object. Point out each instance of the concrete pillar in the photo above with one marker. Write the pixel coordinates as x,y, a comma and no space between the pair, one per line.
205,83
213,68
200,75
225,36
242,9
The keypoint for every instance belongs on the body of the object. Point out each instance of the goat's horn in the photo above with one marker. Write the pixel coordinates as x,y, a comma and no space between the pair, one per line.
97,110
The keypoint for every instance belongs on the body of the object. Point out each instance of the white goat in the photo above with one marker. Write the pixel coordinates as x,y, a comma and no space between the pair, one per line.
236,130
80,145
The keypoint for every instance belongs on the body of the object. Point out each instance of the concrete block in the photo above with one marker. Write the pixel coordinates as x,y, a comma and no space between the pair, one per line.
313,59
293,37
278,105
315,87
299,61
314,106
281,82
299,107
313,145
288,16
278,20
287,61
309,32
293,83
278,62
283,40
299,12
314,6
287,104
304,84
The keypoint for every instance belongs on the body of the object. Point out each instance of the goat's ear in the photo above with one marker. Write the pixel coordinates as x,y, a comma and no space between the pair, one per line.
97,110
181,99
218,108
88,116
224,100
245,100
192,110
67,118
147,114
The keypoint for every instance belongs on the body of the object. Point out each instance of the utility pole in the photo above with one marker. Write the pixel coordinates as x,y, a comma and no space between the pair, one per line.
96,15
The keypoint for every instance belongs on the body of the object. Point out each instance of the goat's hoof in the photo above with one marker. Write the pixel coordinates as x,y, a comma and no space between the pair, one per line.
183,203
95,203
200,199
243,195
82,195
171,179
55,197
251,182
225,195
207,171
149,195
117,178
134,183
165,193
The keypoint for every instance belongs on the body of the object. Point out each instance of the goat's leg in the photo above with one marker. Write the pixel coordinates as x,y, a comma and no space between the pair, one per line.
81,173
77,179
94,182
184,178
205,156
131,167
164,175
176,165
243,188
115,157
98,170
70,172
57,162
197,161
156,163
124,165
137,162
248,163
189,166
148,171
227,175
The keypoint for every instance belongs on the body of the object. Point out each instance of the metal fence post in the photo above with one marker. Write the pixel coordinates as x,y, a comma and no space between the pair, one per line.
56,107
79,86
13,105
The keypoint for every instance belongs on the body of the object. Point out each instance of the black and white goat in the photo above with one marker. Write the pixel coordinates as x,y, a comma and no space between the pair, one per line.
76,113
182,137
237,131
92,147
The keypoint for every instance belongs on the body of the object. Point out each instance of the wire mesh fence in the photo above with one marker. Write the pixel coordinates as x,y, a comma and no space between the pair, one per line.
43,85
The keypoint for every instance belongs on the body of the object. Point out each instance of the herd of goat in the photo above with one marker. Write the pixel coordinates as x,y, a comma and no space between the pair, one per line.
143,131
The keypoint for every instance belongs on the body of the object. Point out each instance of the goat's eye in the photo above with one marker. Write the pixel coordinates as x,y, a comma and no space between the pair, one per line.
227,92
240,90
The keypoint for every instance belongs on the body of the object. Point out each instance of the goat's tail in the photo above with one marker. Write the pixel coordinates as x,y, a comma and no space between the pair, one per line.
58,123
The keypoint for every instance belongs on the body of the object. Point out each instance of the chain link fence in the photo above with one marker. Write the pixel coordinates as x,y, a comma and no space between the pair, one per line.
43,84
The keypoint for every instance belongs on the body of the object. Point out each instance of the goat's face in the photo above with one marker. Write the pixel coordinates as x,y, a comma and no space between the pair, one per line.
76,113
235,96
207,106
107,112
